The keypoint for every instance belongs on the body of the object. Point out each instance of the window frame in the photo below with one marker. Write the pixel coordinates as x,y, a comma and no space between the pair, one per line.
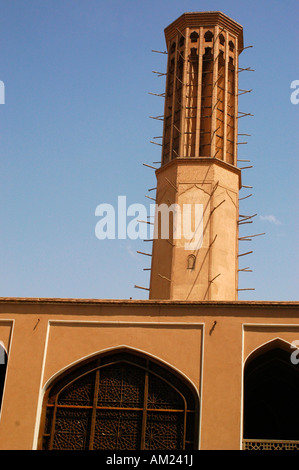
145,365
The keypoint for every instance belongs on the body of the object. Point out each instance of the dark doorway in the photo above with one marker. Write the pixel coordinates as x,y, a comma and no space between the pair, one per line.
271,391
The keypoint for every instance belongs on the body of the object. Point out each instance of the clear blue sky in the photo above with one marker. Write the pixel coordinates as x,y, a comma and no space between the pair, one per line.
75,130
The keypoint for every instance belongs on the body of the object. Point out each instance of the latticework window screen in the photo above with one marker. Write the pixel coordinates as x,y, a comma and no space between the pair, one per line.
120,402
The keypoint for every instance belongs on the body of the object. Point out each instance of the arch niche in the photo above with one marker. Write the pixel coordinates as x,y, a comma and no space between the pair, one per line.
121,400
271,390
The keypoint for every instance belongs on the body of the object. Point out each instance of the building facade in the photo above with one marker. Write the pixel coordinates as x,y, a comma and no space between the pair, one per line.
192,367
196,357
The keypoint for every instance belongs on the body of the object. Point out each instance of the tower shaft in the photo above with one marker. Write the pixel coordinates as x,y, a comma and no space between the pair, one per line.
199,177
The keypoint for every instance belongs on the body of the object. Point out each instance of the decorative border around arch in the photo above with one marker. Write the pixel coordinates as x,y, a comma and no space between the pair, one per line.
267,346
271,385
158,368
44,383
255,352
112,349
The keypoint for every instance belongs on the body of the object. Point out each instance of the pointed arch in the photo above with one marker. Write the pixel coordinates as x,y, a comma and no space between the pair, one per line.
194,36
120,400
231,46
271,388
221,39
267,346
208,36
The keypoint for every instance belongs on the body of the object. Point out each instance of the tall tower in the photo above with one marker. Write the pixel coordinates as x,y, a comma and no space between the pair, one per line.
199,161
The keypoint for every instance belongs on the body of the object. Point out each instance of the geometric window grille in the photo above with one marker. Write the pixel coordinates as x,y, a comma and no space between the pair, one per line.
120,401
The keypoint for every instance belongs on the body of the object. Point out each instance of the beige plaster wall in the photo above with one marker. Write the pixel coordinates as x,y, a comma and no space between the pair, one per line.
45,337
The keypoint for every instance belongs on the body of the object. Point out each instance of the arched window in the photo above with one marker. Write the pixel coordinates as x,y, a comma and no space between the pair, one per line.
194,36
120,401
231,46
209,36
271,390
3,363
191,262
221,39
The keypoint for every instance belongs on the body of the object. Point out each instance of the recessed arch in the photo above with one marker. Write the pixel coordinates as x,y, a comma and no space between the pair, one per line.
172,48
271,388
113,349
120,400
191,260
267,346
209,36
221,39
194,36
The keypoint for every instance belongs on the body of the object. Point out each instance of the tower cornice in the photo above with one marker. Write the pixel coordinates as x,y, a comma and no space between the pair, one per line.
201,161
207,18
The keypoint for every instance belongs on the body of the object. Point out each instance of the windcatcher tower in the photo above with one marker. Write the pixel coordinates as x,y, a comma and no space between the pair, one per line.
199,159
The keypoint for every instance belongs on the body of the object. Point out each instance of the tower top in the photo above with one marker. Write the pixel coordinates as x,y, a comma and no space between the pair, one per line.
206,18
